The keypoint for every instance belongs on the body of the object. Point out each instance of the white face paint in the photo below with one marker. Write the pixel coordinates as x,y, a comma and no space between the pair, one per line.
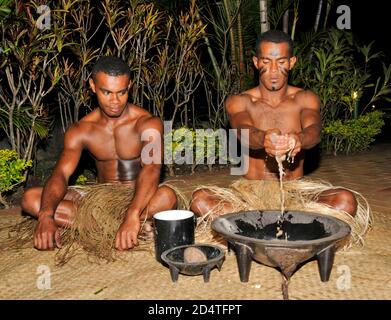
274,52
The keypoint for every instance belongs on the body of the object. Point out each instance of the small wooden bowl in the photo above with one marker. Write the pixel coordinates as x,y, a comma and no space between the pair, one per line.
174,258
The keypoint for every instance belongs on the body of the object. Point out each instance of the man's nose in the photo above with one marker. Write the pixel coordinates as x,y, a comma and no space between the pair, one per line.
274,67
114,97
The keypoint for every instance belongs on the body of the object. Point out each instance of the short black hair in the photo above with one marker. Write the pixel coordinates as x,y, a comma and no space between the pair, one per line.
112,66
276,36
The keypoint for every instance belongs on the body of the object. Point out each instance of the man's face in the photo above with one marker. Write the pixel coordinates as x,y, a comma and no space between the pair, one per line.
111,92
273,64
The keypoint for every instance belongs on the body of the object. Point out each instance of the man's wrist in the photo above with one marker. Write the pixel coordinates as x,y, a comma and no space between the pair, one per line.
300,135
132,213
42,216
262,135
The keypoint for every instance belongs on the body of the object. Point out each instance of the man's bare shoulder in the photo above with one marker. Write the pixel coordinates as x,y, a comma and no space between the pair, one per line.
137,111
240,102
146,120
88,120
81,129
250,95
307,99
75,135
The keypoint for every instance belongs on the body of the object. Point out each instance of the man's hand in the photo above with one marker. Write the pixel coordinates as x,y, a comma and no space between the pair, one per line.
126,237
294,143
275,143
46,235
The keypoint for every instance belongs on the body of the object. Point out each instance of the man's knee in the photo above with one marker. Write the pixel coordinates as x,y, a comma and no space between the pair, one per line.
31,200
167,197
200,201
341,199
348,201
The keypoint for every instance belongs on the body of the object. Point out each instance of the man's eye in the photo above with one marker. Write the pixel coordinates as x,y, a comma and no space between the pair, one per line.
265,61
106,93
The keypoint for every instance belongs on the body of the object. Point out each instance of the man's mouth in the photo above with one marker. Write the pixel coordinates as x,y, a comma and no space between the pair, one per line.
114,109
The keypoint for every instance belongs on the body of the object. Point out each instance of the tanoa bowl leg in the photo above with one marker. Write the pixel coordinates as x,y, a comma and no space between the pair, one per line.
174,273
244,258
325,262
206,273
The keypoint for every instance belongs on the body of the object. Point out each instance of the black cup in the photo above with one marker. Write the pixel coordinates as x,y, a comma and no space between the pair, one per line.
173,228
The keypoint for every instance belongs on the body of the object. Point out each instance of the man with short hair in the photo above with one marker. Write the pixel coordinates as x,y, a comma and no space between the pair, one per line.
112,134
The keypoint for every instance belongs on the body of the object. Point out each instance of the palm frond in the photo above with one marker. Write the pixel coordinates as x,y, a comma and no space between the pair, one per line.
24,122
276,12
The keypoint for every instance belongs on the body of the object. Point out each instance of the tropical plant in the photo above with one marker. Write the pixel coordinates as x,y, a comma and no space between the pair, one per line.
5,8
222,75
330,65
194,147
77,34
352,135
263,15
30,75
81,180
12,172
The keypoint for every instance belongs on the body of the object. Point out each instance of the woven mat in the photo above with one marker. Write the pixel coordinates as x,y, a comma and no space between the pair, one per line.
359,273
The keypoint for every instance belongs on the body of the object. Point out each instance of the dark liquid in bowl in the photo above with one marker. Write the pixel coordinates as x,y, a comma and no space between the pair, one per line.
292,231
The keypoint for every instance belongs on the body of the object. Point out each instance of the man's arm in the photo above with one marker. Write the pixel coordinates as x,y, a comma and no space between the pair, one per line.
147,182
310,123
56,186
240,119
55,189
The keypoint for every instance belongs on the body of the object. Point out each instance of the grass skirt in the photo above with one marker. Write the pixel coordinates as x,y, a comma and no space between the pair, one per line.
100,212
300,195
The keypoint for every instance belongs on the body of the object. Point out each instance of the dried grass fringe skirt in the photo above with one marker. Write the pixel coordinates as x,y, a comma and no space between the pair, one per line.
300,195
100,211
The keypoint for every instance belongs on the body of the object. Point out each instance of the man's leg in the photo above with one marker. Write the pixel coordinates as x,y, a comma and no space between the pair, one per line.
31,203
163,199
340,199
203,200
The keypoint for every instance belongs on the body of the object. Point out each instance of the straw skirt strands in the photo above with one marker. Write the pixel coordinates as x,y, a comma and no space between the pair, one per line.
100,212
300,195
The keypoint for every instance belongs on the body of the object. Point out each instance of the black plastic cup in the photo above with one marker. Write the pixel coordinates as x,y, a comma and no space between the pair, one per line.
173,228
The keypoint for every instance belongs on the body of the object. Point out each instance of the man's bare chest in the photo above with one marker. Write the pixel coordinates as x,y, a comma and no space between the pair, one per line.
122,143
285,117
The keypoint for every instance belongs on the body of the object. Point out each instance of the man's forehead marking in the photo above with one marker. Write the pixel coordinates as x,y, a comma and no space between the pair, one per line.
274,52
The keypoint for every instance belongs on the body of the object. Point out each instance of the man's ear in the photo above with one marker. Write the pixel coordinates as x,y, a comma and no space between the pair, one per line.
92,85
130,84
255,61
292,62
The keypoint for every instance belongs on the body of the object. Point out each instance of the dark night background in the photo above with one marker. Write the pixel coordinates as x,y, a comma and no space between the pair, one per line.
368,22
371,22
